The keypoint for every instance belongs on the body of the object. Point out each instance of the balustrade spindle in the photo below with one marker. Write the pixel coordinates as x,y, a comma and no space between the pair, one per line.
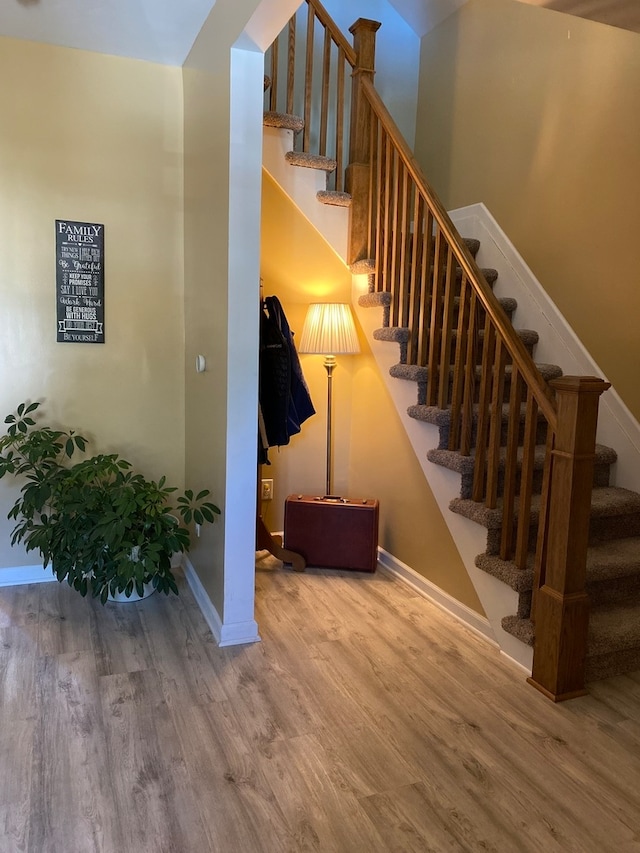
510,488
447,328
291,65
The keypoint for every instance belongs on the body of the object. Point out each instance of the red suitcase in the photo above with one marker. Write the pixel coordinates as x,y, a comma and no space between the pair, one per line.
332,532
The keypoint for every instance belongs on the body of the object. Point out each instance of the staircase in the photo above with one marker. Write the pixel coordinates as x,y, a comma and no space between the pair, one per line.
519,436
613,556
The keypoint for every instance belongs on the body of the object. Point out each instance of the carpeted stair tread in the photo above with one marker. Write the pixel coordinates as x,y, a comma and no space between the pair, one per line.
442,417
310,161
411,372
490,274
611,629
397,334
455,461
334,198
416,373
617,626
401,334
610,664
285,121
606,502
612,560
472,245
373,300
520,580
616,563
522,629
367,266
529,337
509,304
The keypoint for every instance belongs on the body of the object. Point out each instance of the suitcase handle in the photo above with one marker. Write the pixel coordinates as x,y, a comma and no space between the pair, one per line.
338,499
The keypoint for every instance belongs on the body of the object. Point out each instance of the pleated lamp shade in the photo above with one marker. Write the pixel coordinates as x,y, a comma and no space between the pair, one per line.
329,330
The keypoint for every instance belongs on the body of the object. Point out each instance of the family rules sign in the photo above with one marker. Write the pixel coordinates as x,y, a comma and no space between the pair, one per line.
79,282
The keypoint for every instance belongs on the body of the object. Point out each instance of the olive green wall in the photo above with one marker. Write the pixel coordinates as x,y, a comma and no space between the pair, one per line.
372,453
537,114
99,139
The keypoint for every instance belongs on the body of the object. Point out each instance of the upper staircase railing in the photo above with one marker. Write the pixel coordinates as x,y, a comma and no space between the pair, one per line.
314,83
467,357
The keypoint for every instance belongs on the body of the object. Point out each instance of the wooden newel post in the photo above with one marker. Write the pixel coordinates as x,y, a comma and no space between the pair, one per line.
357,172
562,605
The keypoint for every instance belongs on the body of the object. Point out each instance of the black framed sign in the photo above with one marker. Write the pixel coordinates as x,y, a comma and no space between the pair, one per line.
80,282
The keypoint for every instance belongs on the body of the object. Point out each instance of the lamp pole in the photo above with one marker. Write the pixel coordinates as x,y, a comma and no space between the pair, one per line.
329,363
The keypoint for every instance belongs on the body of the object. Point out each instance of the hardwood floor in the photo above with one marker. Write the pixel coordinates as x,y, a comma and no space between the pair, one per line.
366,720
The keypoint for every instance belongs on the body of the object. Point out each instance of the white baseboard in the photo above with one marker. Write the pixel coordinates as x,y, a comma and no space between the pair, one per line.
16,576
235,634
469,618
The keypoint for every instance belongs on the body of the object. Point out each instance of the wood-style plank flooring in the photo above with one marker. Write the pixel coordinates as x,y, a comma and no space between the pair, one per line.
366,720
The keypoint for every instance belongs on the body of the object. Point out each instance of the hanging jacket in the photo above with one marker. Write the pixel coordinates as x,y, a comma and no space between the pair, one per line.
285,401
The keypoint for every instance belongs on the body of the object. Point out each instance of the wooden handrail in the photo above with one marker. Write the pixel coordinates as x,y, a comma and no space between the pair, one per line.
319,62
517,350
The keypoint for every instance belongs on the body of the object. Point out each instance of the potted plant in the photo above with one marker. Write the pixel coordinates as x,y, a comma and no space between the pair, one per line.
103,528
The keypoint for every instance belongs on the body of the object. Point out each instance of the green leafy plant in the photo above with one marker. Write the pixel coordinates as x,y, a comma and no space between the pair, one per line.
103,528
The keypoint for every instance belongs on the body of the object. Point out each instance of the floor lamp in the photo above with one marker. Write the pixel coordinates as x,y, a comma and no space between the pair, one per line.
329,330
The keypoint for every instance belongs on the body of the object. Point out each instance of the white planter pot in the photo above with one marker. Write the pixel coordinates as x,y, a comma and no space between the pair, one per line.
120,596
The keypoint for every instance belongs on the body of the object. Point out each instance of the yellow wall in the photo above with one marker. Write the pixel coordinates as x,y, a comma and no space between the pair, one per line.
372,453
537,114
98,139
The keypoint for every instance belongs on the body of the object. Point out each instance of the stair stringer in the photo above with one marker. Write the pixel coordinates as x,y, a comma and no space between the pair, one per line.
558,343
497,599
301,185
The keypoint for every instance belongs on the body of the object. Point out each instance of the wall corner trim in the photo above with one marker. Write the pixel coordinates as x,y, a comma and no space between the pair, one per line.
234,634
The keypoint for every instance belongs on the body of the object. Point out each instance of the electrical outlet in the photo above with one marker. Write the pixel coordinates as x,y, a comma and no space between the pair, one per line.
267,490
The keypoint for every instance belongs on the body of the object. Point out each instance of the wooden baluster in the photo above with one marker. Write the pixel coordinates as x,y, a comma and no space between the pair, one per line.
405,248
415,276
540,563
457,385
562,605
425,287
383,208
469,395
484,413
495,426
398,169
526,481
340,123
375,198
273,92
511,464
357,177
387,234
291,65
324,105
447,328
308,80
435,324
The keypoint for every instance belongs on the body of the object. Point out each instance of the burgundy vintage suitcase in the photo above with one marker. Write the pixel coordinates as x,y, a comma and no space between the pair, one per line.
332,532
